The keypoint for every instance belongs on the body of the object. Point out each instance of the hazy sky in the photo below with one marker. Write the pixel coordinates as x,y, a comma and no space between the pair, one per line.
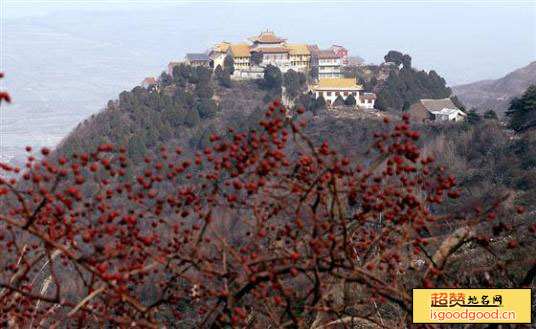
463,40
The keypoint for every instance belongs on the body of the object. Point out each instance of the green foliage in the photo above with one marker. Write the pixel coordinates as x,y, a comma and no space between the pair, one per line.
256,57
408,85
192,117
272,78
490,115
339,101
522,111
174,115
313,73
350,100
473,117
226,79
204,90
294,82
228,64
394,56
218,72
307,102
456,101
207,108
165,79
321,103
406,106
136,148
204,74
406,61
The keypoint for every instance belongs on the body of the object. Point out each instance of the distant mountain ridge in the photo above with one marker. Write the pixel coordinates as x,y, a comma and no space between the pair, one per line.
496,94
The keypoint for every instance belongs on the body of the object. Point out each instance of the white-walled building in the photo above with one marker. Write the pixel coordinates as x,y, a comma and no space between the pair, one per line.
367,100
448,115
218,52
330,89
328,64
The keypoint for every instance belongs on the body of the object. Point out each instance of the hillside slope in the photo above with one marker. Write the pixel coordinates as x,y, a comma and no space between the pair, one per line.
190,107
496,94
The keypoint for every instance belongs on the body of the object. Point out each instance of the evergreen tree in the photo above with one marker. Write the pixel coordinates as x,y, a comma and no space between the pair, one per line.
218,72
490,115
313,73
350,101
406,106
207,108
473,117
320,103
256,58
406,61
203,74
192,117
136,148
228,64
185,71
522,111
294,83
394,56
226,79
204,90
165,79
456,101
339,101
272,77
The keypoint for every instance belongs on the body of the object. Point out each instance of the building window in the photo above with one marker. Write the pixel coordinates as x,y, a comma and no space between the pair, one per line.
337,93
345,93
328,93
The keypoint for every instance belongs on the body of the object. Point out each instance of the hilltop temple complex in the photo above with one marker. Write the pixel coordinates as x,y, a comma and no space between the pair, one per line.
250,59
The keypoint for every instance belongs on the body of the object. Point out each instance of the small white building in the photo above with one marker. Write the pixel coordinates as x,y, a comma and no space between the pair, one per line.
218,53
367,100
447,114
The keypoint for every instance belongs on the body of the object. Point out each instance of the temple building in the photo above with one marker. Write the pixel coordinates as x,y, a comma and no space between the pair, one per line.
300,57
197,59
218,52
267,39
241,55
330,89
328,64
342,52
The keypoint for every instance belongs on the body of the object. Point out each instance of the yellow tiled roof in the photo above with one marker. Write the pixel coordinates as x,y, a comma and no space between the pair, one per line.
222,46
338,83
267,37
298,49
240,50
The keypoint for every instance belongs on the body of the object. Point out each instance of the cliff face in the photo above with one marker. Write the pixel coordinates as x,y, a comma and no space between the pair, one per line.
496,94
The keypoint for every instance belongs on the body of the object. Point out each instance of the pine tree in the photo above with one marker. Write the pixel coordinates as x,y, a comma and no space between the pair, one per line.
522,111
339,101
350,101
192,117
490,115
